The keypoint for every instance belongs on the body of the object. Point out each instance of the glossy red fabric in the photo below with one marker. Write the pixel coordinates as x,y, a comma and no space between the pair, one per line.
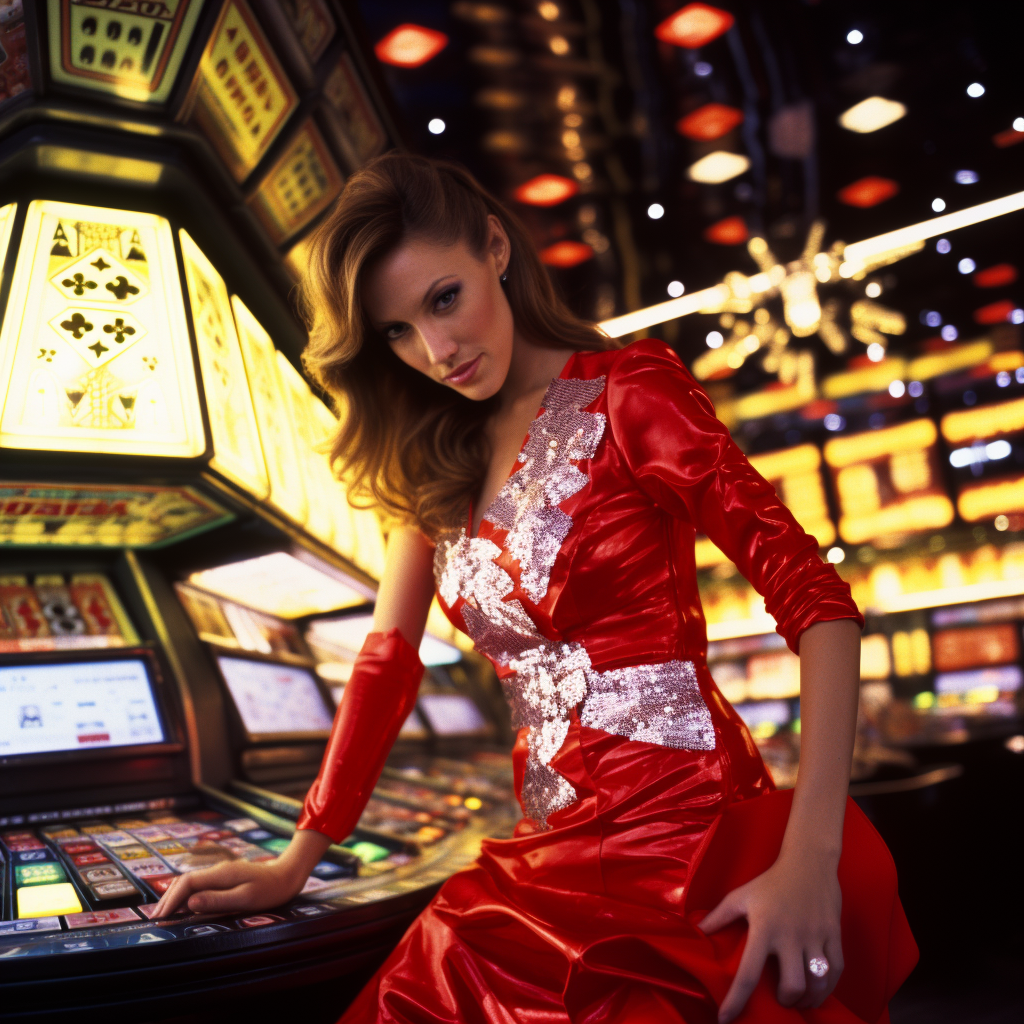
378,698
588,922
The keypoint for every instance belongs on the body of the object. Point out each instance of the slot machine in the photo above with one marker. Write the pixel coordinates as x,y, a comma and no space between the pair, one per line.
160,482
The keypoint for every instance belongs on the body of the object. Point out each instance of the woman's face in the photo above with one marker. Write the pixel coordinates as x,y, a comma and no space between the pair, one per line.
442,310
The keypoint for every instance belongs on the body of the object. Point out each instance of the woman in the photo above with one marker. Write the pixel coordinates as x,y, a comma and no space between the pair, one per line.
568,558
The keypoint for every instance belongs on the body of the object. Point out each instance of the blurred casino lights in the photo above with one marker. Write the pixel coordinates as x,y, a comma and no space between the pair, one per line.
728,231
709,122
996,276
410,46
867,192
546,190
872,114
717,167
694,25
566,253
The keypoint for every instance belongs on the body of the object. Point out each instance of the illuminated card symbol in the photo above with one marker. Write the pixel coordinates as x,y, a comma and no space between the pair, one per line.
119,329
99,348
74,395
150,361
136,252
47,354
77,325
121,289
60,242
78,283
100,264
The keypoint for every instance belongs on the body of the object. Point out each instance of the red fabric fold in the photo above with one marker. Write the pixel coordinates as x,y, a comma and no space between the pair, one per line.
377,700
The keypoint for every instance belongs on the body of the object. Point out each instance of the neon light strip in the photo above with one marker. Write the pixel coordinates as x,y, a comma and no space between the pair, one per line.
950,595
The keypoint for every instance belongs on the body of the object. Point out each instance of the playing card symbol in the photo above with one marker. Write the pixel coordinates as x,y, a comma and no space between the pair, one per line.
150,362
78,284
121,288
47,354
77,325
119,329
99,348
100,264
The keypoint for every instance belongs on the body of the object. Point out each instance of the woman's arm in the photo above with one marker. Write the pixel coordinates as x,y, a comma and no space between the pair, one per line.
793,909
403,602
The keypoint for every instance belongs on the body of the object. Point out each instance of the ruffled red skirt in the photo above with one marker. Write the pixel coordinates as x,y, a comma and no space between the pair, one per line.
593,920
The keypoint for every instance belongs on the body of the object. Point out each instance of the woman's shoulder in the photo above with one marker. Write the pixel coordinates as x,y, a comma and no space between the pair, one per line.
647,353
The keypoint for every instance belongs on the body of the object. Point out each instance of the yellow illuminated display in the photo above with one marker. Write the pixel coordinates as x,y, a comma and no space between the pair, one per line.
94,349
796,475
128,48
236,440
985,501
6,224
960,357
358,128
869,378
102,515
240,96
344,537
48,900
287,490
302,182
981,424
887,482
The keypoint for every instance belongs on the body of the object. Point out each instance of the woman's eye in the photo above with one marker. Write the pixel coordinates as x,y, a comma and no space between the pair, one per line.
394,332
446,298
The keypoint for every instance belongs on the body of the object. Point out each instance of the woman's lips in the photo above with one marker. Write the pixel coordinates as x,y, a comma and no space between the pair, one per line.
464,373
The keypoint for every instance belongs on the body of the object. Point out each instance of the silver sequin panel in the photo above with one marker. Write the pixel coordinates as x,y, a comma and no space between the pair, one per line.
654,703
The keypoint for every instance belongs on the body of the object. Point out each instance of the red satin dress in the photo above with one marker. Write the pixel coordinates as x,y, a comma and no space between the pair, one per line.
581,588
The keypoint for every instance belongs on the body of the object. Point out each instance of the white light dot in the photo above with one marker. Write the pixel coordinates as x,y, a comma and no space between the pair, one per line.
1018,124
1002,523
966,265
833,421
715,339
1017,316
966,177
655,211
676,288
872,289
855,36
702,68
975,89
897,389
932,318
835,555
943,246
435,126
949,333
916,389
938,205
1003,379
875,352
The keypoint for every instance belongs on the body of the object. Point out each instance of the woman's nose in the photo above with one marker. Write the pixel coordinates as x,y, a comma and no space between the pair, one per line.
439,347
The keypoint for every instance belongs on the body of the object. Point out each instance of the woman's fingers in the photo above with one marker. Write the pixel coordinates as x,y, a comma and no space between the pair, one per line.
747,977
184,886
792,974
730,909
222,901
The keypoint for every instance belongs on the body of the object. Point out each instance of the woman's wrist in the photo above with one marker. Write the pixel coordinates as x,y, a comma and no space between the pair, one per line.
303,853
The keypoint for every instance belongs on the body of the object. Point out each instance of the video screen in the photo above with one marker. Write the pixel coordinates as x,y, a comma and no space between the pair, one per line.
275,699
76,705
451,714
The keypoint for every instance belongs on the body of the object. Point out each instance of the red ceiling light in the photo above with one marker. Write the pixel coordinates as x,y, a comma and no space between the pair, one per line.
409,46
1010,137
566,254
731,231
994,313
694,25
546,190
997,276
711,121
868,191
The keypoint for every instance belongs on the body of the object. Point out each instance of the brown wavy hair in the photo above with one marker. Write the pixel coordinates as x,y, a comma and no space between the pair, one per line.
406,444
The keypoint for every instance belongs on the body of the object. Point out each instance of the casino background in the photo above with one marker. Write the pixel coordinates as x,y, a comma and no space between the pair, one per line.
817,204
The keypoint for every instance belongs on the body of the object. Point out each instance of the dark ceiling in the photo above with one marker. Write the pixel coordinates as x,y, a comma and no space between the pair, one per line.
501,89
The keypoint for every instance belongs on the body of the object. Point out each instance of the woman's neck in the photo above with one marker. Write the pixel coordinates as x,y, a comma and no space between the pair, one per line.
530,371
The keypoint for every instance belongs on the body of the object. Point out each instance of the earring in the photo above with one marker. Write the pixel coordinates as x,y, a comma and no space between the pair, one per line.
504,278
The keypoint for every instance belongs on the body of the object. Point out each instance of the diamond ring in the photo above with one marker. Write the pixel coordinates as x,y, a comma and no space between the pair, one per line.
818,966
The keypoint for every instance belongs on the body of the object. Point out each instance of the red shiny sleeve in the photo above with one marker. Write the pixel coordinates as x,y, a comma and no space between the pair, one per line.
377,700
683,458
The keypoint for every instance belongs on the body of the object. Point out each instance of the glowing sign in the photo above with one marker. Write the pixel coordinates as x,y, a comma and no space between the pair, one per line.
94,349
988,500
102,516
287,491
236,440
981,424
240,96
6,224
796,475
312,23
359,131
888,482
302,182
129,48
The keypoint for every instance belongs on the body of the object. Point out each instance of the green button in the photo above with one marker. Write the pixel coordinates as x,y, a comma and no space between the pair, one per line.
275,845
368,852
47,873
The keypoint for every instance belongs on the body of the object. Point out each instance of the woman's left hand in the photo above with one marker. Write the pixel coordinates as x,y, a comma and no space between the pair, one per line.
792,912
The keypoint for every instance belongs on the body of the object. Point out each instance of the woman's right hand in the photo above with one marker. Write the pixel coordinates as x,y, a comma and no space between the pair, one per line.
241,886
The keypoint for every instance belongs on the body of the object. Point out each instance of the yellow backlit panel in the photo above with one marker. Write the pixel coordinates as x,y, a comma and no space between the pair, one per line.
796,476
287,489
237,452
984,422
888,482
240,97
869,378
48,900
94,348
959,358
6,224
985,501
875,662
279,584
320,492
